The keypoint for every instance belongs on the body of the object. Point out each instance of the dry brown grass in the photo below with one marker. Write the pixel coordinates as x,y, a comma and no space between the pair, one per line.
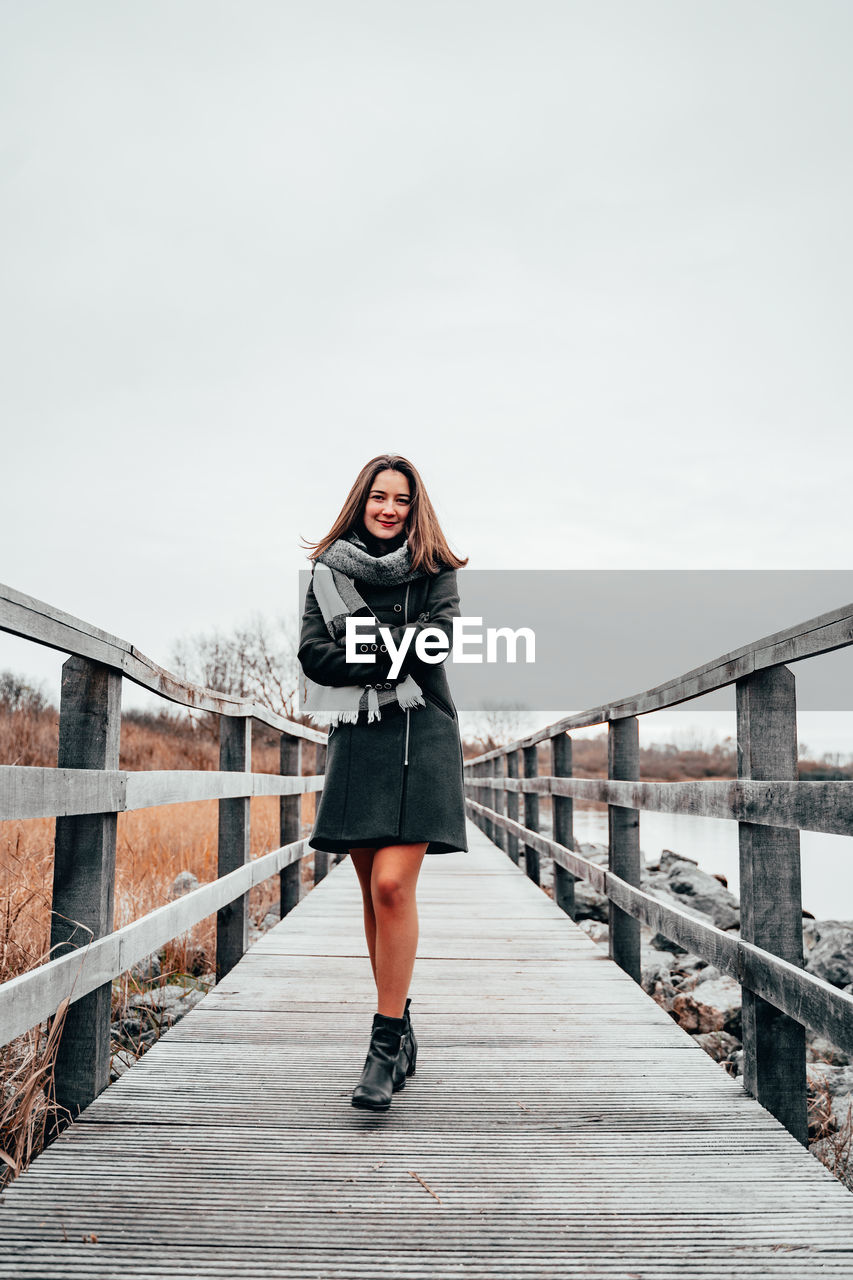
152,847
830,1140
28,1109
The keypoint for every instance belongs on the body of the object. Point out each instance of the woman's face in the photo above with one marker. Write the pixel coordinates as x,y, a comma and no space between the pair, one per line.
388,503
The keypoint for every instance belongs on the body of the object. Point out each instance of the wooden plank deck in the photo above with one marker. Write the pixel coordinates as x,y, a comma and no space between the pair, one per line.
559,1124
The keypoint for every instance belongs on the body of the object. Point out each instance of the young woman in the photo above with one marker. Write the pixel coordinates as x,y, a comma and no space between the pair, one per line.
393,783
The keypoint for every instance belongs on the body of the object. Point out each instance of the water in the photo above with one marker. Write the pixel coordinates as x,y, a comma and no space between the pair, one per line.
826,860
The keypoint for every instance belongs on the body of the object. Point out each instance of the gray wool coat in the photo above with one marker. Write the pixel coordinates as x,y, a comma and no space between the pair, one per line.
397,780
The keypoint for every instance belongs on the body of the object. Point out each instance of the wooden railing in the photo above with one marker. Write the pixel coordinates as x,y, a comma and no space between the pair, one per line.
771,806
86,792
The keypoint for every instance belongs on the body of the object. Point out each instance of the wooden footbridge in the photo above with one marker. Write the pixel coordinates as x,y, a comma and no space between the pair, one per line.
559,1124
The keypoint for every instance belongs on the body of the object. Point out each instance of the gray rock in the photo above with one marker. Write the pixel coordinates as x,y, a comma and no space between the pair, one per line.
594,852
668,859
191,999
707,973
689,964
724,994
662,943
693,1016
589,903
720,1045
147,970
810,934
122,1059
160,999
656,981
686,880
839,1080
712,1006
831,957
598,931
693,978
819,1049
184,882
650,955
270,920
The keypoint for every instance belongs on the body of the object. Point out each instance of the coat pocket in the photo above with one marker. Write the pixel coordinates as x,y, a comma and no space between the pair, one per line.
438,702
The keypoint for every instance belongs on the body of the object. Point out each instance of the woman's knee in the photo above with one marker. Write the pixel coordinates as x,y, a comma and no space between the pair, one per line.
390,891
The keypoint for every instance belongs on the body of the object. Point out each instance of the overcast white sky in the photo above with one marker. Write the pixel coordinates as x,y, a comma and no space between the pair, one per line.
587,264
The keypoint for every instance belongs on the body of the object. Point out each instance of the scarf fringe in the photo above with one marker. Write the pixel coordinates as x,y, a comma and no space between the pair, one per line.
409,693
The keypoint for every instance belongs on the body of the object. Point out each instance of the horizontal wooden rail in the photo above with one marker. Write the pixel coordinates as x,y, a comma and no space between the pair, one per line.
27,1000
822,634
804,997
803,805
32,619
29,791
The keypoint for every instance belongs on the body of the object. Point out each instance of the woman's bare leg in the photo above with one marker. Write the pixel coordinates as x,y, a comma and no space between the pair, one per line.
362,860
393,882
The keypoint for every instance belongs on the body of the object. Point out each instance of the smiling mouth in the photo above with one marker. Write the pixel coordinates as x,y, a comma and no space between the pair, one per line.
389,524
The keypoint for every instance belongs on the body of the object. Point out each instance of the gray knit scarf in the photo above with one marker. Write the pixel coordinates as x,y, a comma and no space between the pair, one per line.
332,578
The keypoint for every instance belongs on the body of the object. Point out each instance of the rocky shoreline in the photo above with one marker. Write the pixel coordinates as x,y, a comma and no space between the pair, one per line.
707,1003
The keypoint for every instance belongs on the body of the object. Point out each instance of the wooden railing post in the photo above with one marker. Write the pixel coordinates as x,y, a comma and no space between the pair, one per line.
321,858
489,797
232,921
84,874
562,811
623,762
531,811
771,914
477,770
290,877
499,802
512,771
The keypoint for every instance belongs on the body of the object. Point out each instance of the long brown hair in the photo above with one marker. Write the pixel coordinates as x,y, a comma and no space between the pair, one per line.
427,544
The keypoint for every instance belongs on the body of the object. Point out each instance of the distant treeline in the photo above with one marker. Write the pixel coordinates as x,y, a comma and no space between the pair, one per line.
29,735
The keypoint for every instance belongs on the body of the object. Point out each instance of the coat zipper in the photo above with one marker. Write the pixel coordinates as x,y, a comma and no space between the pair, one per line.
408,709
406,752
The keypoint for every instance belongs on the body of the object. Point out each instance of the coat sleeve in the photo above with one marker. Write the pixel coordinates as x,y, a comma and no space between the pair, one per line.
324,660
441,608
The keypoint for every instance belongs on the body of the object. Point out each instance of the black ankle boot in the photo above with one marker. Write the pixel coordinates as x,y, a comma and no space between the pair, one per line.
408,1056
376,1085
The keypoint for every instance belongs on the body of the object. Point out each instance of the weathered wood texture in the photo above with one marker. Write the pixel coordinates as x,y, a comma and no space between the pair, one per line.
23,615
559,1123
232,920
623,826
806,806
497,769
530,764
30,791
290,825
321,859
770,897
84,874
822,634
513,771
563,822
